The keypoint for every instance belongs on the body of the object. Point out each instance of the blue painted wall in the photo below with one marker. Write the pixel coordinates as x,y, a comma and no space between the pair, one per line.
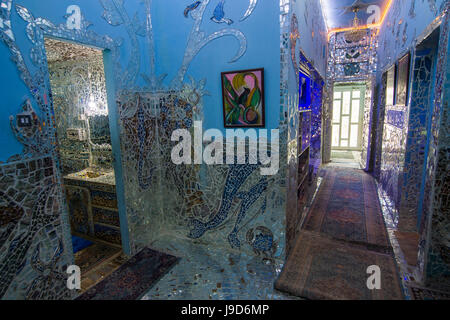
262,31
171,31
14,92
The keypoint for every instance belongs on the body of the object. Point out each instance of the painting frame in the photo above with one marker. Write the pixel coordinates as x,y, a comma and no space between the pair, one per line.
305,92
391,85
402,80
257,93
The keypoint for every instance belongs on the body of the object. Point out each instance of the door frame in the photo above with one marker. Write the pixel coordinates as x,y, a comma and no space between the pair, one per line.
106,46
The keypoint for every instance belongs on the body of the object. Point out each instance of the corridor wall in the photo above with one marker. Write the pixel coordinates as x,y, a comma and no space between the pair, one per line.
408,164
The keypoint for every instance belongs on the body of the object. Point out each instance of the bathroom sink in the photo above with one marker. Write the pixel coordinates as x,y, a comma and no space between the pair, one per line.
93,174
90,174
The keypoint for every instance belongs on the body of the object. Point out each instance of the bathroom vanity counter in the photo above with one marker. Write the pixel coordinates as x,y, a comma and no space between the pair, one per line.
93,176
92,200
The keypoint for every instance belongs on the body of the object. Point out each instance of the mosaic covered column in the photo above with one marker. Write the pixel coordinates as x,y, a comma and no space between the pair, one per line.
435,248
416,143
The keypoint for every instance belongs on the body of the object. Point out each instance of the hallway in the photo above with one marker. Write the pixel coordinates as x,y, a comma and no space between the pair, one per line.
349,221
345,223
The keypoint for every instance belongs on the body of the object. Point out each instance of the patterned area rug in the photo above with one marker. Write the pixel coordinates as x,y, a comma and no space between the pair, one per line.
347,208
321,268
94,255
134,278
418,293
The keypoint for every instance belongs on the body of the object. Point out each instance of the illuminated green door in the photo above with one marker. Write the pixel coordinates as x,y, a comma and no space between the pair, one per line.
348,112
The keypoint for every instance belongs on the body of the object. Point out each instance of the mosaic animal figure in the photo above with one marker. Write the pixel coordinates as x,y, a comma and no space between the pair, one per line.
237,176
191,8
248,199
262,241
219,14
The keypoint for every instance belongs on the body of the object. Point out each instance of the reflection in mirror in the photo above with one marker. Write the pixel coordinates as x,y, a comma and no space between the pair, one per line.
79,93
78,88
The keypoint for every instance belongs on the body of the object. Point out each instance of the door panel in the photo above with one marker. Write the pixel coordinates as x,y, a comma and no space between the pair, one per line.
348,107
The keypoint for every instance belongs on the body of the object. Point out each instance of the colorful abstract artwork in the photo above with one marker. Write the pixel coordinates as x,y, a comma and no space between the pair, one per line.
243,98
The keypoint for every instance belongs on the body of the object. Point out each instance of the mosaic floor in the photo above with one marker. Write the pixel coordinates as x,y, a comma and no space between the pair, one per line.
206,273
345,159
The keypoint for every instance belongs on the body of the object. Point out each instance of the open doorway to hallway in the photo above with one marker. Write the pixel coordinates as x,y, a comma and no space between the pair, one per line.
347,124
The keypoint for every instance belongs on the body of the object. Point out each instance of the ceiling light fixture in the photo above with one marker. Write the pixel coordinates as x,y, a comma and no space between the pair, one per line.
356,34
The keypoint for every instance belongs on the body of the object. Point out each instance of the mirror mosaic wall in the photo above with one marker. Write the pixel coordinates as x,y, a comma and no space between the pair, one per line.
246,203
410,138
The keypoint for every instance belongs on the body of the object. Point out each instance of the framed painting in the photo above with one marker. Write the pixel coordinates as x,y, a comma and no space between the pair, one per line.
390,86
243,99
403,80
305,95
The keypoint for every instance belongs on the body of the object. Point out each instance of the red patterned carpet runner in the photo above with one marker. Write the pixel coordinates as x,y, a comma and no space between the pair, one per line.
347,208
343,235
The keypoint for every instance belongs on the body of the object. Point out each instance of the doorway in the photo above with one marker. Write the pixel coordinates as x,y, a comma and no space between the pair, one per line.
86,161
347,123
